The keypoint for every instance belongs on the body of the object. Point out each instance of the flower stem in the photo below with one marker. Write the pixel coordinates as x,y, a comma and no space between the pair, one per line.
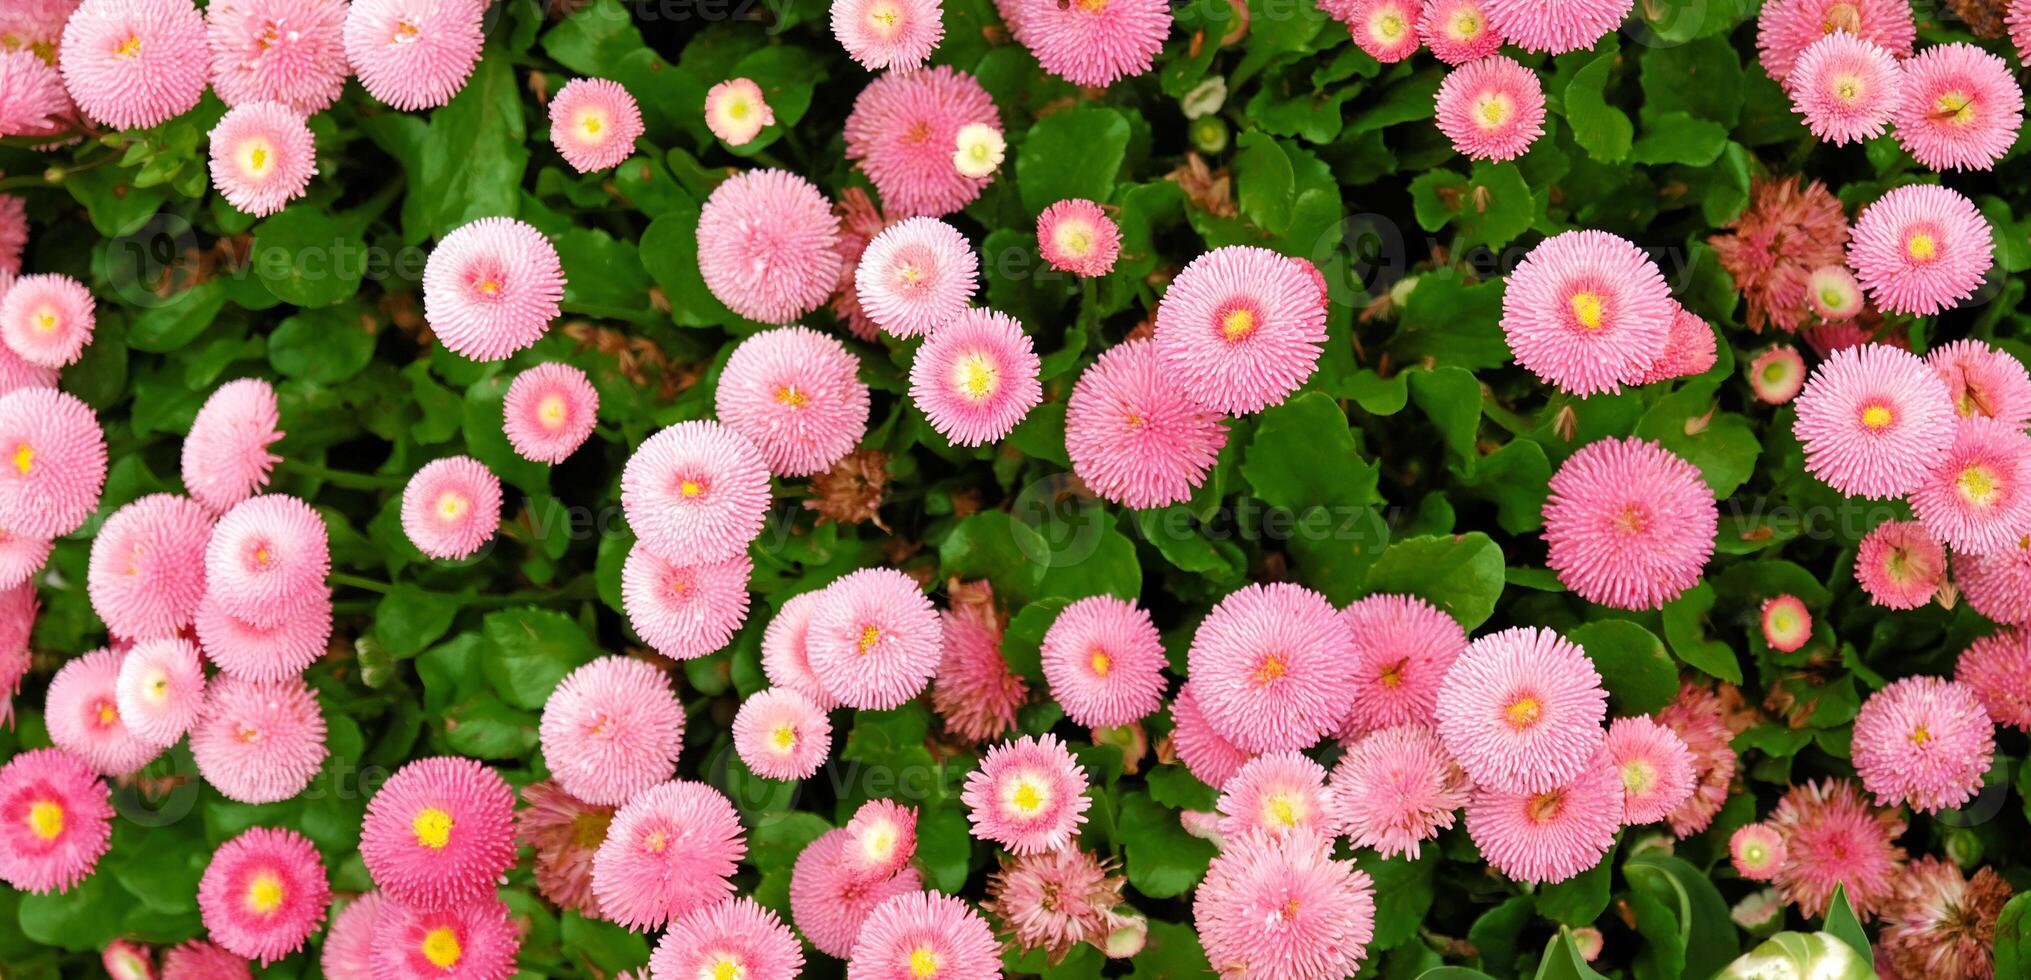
342,478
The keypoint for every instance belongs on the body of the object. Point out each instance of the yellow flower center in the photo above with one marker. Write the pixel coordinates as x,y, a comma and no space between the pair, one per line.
690,488
552,410
1102,663
869,636
265,893
24,458
441,947
1588,309
1848,88
1281,810
1466,25
1027,796
737,108
1544,806
46,320
1074,238
1978,485
432,827
923,962
1841,17
1392,675
884,19
1638,776
489,286
1237,325
261,555
1921,246
1093,6
1271,668
789,395
405,33
1387,26
1493,109
728,968
1524,712
452,506
976,377
108,713
45,819
784,738
592,124
256,157
1631,520
128,48
1919,736
879,843
1877,416
1955,107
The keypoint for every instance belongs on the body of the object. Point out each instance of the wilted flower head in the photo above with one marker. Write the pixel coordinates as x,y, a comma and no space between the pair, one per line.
1941,924
1789,229
1055,900
974,690
1695,717
564,832
1833,837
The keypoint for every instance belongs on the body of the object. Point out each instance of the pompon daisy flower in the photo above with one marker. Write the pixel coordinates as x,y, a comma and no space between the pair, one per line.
1874,421
198,959
1976,500
1276,794
1900,566
1094,43
736,111
1832,836
1281,908
1104,662
916,276
669,852
1522,711
1076,236
1386,29
784,659
1997,668
768,245
1834,293
1786,623
33,102
1790,228
266,653
976,378
47,319
1785,28
1457,31
1985,382
160,690
1551,834
17,620
1961,108
874,639
1397,787
736,938
1241,327
1846,88
258,741
439,833
1923,741
414,54
1133,433
698,490
55,820
901,133
264,893
880,840
1629,524
130,64
82,710
830,899
894,34
1274,667
267,558
348,948
1654,765
925,935
1997,585
1940,923
1695,717
1586,311
549,411
451,507
974,692
1556,26
1920,248
491,287
1204,751
1055,900
797,395
1757,851
1027,795
1689,349
594,123
684,611
57,454
287,51
262,157
475,940
564,832
146,572
780,734
225,457
1403,647
612,728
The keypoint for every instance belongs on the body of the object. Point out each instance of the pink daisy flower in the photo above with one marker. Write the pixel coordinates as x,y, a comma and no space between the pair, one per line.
780,734
47,319
1027,795
1586,311
1204,751
974,692
1556,26
696,489
33,102
1629,524
160,690
266,653
564,832
1920,248
684,612
348,949
1076,236
473,940
439,833
1874,421
82,710
1785,28
1552,834
225,457
874,640
880,840
594,123
197,959
1900,566
1941,923
287,51
1522,710
1105,662
1997,585
267,558
1975,501
258,741
1403,647
893,34
414,54
1834,292
1961,108
737,938
264,893
768,245
1276,794
1923,741
830,900
903,128
1997,668
612,728
925,934
1457,31
916,276
17,619
58,456
1846,88
263,157
797,395
1395,788
549,411
1241,327
146,573
1094,43
1056,900
491,287
1984,382
1134,435
1695,716
784,659
130,64
1689,349
451,507
1757,851
1777,374
1655,767
669,852
55,820
1386,29
1786,623
1281,908
976,378
1833,837
737,112
1274,667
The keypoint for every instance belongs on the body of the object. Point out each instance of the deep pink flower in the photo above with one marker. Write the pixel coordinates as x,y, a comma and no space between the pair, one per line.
916,276
874,640
262,156
1281,908
780,734
1209,755
1241,327
893,34
1846,88
1757,851
697,490
1522,711
1386,29
1785,28
225,457
1921,248
549,411
1655,767
264,893
829,897
1094,43
439,833
1274,667
146,575
266,653
17,620
414,54
974,691
768,245
797,395
1923,741
669,852
1276,794
1134,434
1104,662
1586,312
737,938
491,287
1458,31
130,64
1900,566
198,959
612,728
451,507
976,378
57,454
1397,787
82,710
474,940
902,132
267,559
1997,668
1874,421
55,820
259,741
1689,349
1076,236
287,51
594,123
160,691
1629,524
1961,107
1028,795
47,319
1552,834
1556,26
1832,836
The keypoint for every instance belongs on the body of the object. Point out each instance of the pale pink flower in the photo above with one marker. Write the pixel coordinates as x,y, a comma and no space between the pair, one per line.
1241,327
976,378
262,156
414,54
131,64
491,287
594,123
549,411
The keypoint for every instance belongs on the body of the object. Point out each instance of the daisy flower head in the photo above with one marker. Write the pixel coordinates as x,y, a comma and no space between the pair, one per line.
974,692
258,741
1209,755
1056,900
1785,28
262,156
1386,29
830,899
1846,88
266,653
902,132
1832,836
287,51
1403,647
925,936
491,287
880,839
736,111
1556,26
47,319
1241,327
160,690
1281,908
976,378
698,490
549,411
82,710
1834,292
594,123
1900,566
348,948
1997,585
1076,236
1921,249
612,728
1275,794
1027,795
1976,500
1985,382
1522,711
1757,851
146,571
55,820
1094,42
267,558
669,852
784,658
1655,767
768,245
1923,741
55,466
874,639
1874,421
1458,31
797,395
1104,662
1629,524
916,276
264,893
978,150
34,103
1586,311
1689,349
225,457
474,940
439,833
198,959
1695,716
1961,108
565,833
1552,834
1997,668
897,35
737,938
451,507
1397,787
130,64
1273,665
1786,623
1942,923
684,611
414,54
780,734
1134,434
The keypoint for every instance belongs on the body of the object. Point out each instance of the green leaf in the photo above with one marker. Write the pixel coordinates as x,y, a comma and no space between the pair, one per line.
1171,951
322,345
1303,455
1075,153
1451,398
1265,185
1677,137
1461,574
475,151
1662,956
2013,938
1710,937
1023,639
996,547
172,323
1579,900
1844,925
408,619
531,650
1601,129
1690,424
1639,675
307,257
1685,621
1562,959
1450,321
1163,860
1408,885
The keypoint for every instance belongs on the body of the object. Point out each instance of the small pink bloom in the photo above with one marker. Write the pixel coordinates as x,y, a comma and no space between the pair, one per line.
893,34
262,157
451,507
414,54
1028,795
671,851
830,899
1397,787
910,931
1522,710
736,938
47,319
780,734
1984,381
1076,236
475,940
1275,794
1281,908
1586,311
880,840
55,463
1921,248
1777,374
160,691
696,490
916,276
1786,623
684,611
611,729
259,741
1757,851
1978,499
1629,524
768,245
1655,767
82,710
1135,436
976,378
1846,88
594,124
549,411
737,112
1104,662
264,893
491,287
1552,834
55,820
1458,31
226,457
1874,421
267,559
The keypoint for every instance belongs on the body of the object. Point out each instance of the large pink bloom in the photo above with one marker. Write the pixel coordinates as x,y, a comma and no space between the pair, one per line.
1135,436
916,276
1874,421
1846,88
797,395
267,559
671,851
287,51
1556,26
259,741
1491,108
491,287
146,574
55,820
1242,327
439,833
612,728
1655,767
1921,248
1028,795
1397,787
414,54
82,710
475,940
1281,908
133,63
1785,28
549,411
1629,524
976,378
1273,666
736,938
262,157
696,491
1105,662
1961,108
1586,311
225,457
594,123
1522,711
903,130
264,893
1978,499
1923,741
874,639
830,899
1403,647
1551,834
684,611
1094,42
768,245
55,462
